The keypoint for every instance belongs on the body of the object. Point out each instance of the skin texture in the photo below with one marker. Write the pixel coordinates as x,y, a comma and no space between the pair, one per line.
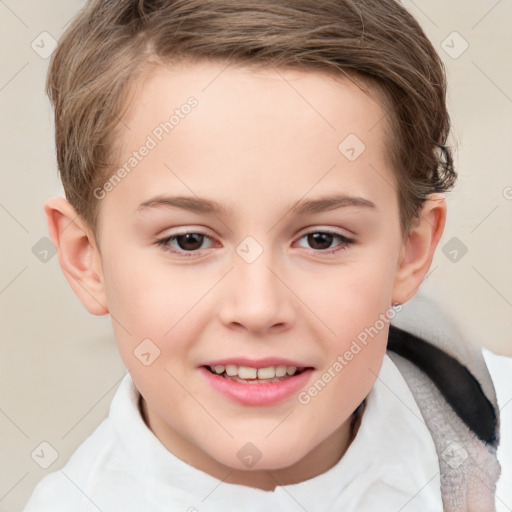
258,142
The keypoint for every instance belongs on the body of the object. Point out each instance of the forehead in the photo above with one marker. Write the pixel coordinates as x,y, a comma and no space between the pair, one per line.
253,131
332,101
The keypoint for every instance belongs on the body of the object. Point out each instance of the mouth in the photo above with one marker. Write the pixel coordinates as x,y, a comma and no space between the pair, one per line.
250,375
263,386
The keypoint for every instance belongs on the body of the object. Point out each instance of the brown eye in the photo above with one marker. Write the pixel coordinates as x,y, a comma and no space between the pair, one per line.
188,244
190,241
320,240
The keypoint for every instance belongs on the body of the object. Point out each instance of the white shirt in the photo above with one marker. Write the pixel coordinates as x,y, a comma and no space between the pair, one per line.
122,466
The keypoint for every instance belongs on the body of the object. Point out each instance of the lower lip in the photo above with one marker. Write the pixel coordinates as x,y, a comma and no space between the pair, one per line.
257,394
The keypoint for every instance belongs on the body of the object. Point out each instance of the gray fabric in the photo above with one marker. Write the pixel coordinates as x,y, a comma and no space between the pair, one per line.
428,316
469,467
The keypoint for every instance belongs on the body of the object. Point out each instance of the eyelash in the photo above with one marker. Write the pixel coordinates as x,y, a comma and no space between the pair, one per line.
164,243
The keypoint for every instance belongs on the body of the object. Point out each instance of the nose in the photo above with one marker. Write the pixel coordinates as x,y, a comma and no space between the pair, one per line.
255,297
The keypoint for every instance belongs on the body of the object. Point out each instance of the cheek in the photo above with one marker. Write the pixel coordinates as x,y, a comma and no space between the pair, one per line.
147,295
140,300
354,297
149,299
356,306
359,315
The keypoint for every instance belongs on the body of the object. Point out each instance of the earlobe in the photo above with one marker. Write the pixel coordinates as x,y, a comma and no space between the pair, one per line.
419,248
78,254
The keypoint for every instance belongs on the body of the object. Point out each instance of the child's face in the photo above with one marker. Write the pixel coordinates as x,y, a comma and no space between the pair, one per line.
257,143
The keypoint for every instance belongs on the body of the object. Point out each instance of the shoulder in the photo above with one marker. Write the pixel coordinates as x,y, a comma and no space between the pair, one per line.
104,471
459,387
65,489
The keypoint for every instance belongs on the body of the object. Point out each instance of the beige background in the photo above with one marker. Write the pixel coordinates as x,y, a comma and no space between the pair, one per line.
59,367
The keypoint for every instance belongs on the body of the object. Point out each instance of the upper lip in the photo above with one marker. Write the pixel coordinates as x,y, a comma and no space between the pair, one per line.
256,363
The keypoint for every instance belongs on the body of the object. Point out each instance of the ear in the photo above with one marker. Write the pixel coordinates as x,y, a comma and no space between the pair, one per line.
79,256
418,249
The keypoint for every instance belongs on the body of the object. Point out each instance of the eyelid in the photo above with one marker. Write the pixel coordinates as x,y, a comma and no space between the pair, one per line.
344,240
164,241
325,229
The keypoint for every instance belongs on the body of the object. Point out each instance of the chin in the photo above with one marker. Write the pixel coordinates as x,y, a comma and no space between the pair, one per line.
249,457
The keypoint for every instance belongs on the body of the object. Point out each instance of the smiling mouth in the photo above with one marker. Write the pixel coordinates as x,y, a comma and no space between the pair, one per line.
256,380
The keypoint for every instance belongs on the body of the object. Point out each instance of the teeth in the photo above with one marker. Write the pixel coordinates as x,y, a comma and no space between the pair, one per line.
246,372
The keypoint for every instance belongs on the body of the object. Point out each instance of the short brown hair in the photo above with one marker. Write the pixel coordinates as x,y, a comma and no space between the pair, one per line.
110,43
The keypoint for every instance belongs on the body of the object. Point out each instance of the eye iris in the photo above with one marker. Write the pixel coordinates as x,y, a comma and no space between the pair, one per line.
315,238
192,241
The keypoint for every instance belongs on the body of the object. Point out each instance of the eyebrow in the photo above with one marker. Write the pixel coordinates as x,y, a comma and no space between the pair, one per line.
194,204
331,202
311,206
